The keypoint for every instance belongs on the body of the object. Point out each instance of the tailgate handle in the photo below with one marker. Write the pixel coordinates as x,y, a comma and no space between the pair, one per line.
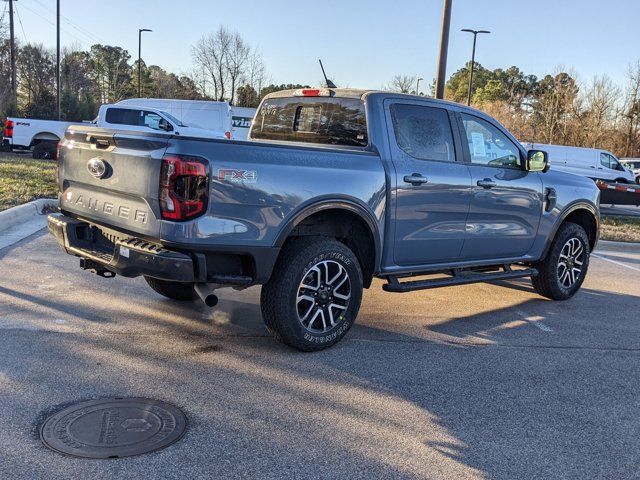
101,143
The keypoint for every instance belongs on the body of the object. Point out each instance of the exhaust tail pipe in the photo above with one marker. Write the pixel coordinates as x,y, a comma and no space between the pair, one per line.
205,292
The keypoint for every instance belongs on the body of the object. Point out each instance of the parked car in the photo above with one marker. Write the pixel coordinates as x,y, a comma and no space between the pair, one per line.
632,164
588,162
334,188
208,115
39,136
144,119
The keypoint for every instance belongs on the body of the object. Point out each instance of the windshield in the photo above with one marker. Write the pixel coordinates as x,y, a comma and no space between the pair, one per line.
173,119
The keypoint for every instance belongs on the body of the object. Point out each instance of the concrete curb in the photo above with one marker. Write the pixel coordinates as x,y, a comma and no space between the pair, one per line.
630,247
23,213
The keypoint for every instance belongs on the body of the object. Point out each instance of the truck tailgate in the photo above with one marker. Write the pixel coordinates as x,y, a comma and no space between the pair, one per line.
112,177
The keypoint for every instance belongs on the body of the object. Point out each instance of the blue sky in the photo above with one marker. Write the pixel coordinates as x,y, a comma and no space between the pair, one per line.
362,43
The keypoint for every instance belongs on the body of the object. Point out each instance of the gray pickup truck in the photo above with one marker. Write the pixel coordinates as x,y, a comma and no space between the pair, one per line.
333,187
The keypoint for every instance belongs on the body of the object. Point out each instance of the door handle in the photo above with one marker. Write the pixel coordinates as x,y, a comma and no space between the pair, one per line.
486,183
415,179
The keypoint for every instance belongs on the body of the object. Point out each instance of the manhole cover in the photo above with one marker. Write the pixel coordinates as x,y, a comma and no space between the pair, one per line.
113,427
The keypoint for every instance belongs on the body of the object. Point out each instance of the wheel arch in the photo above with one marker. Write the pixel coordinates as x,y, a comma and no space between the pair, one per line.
44,137
346,220
582,213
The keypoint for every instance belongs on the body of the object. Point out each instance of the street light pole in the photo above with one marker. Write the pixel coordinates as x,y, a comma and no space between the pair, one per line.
140,59
418,85
473,59
58,57
444,48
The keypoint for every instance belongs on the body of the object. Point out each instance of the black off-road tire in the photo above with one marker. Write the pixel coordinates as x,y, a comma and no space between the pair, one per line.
45,150
278,299
173,290
547,283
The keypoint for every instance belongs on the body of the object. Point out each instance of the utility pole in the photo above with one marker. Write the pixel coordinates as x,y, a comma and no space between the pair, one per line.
12,47
140,59
473,59
58,56
444,47
418,85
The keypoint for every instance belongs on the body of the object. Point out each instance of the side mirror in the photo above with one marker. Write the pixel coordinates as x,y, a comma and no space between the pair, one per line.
165,125
537,161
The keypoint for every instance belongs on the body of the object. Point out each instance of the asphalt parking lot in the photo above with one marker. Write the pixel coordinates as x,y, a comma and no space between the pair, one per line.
482,381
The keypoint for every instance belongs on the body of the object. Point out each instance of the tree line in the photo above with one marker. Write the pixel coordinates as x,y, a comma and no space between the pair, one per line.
557,108
225,67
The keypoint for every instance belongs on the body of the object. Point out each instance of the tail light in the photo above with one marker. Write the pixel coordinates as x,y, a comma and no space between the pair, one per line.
8,129
228,135
313,92
184,187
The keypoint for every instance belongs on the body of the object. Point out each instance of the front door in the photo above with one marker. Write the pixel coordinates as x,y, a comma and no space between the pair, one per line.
507,200
433,185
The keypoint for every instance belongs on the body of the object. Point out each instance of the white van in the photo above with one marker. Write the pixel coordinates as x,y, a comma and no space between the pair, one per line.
587,162
136,118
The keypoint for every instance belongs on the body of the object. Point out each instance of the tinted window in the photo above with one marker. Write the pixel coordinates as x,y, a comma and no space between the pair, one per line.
423,132
139,118
327,120
488,145
610,161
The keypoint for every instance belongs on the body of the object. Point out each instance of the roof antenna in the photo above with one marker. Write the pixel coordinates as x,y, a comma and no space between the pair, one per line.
327,83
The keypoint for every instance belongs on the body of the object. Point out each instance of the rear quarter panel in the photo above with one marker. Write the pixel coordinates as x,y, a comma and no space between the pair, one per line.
257,188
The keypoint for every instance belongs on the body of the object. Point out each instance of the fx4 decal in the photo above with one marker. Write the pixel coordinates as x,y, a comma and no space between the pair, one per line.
238,176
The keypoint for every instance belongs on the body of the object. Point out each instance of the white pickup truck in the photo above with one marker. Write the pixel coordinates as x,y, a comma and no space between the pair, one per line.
143,119
39,136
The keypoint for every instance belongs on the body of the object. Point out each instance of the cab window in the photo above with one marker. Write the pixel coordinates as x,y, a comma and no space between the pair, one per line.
138,118
488,145
423,132
610,161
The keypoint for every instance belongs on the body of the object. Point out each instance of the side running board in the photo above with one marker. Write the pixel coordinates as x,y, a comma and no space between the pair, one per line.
457,277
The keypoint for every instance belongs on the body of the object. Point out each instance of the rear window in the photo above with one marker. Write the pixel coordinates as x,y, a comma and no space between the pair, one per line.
325,120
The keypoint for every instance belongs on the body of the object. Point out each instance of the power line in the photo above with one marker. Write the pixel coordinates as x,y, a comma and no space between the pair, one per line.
50,22
21,26
71,23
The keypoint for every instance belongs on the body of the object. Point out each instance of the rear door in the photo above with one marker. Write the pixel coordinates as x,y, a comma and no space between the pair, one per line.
112,177
432,184
506,204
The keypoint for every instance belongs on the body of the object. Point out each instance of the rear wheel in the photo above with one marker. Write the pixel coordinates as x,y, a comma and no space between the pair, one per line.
314,293
173,290
562,272
45,150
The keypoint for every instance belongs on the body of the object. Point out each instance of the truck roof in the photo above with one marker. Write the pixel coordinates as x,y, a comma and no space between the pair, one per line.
360,93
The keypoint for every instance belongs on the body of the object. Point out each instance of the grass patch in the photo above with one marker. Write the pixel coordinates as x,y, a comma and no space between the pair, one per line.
23,179
620,229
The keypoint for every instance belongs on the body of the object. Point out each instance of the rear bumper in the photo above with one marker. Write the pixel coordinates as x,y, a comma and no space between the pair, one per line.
127,256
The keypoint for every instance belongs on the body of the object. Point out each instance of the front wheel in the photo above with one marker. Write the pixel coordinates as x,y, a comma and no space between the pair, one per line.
314,293
562,271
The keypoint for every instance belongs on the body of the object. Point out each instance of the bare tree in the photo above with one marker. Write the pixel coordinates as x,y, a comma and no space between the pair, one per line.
237,60
631,112
256,75
401,83
210,54
600,102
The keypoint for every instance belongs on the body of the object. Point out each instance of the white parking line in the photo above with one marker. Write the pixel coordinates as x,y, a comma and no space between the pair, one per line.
616,262
534,320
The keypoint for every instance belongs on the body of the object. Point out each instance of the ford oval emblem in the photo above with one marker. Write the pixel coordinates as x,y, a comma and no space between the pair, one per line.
97,167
